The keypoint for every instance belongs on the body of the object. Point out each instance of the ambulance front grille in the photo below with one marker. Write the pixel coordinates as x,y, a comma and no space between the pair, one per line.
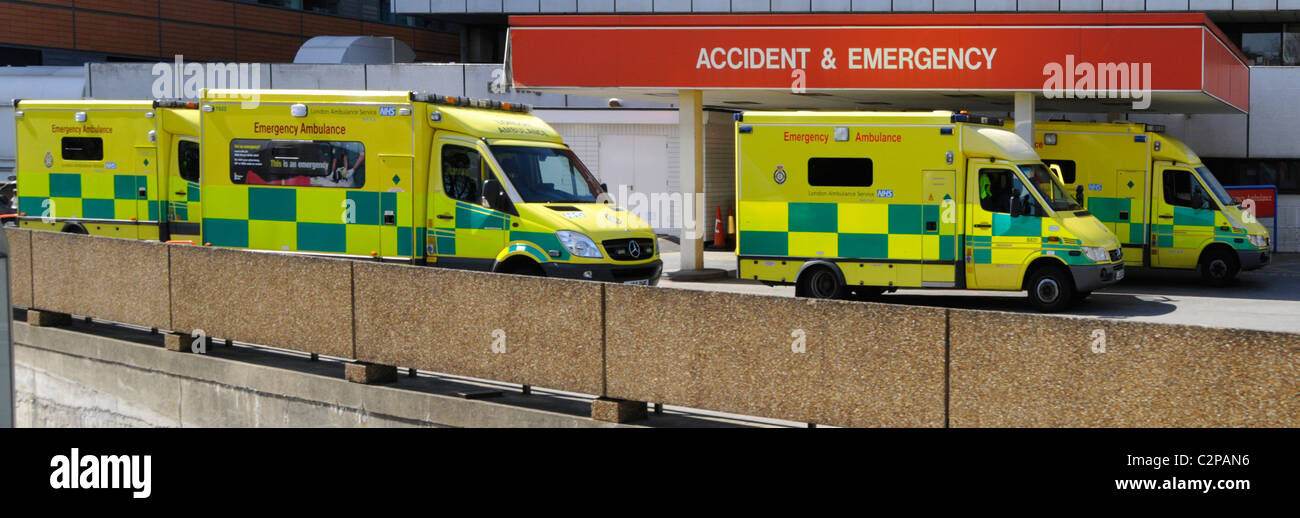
619,249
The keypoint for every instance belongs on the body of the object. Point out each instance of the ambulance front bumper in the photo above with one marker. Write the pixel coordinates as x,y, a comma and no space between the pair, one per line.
1253,259
1093,277
644,273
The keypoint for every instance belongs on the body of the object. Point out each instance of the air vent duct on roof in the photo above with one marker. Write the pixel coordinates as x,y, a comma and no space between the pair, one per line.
356,50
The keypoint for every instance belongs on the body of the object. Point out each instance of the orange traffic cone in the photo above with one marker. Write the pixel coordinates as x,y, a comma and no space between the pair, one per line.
719,235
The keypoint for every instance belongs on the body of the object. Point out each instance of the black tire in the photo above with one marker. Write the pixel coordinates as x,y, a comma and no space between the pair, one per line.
1051,289
1219,267
526,268
74,229
820,282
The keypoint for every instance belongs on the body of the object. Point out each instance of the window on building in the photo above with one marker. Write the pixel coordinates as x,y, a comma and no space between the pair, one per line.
83,148
290,4
321,6
1283,173
1291,45
1262,43
839,172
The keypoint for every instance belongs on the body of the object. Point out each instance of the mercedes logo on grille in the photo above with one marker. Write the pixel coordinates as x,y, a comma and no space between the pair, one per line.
633,249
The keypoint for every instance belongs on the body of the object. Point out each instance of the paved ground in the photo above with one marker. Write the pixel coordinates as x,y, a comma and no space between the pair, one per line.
1265,299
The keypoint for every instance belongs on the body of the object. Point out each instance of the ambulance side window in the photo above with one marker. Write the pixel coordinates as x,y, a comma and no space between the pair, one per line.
998,186
83,148
1182,190
462,173
1067,169
187,160
995,190
840,172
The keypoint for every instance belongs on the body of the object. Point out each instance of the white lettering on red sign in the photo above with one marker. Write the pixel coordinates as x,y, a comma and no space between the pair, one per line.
922,58
736,58
860,58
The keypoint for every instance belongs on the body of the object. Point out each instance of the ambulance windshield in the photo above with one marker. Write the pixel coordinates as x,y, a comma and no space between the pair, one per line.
1215,186
546,175
1048,187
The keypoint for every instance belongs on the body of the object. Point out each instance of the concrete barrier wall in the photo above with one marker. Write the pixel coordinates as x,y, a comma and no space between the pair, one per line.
114,279
527,330
1012,369
826,362
67,378
20,266
292,302
862,365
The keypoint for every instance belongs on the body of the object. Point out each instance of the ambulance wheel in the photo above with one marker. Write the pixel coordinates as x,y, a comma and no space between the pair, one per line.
819,283
73,228
1218,267
520,265
1050,289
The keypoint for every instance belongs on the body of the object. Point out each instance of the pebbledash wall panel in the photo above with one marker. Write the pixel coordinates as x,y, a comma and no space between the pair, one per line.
818,361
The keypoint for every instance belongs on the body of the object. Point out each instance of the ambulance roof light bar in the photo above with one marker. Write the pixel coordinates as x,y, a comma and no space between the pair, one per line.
175,103
962,116
486,104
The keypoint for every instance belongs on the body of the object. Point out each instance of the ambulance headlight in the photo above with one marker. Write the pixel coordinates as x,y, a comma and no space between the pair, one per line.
578,244
1095,253
1258,241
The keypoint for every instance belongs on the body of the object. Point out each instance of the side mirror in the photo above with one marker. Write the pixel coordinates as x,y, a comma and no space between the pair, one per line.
1017,208
603,187
1078,196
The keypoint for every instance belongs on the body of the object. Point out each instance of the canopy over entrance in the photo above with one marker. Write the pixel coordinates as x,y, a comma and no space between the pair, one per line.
1160,63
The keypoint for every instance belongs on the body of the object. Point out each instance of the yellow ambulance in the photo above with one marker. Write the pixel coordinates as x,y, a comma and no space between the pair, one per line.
1167,209
419,178
126,169
866,202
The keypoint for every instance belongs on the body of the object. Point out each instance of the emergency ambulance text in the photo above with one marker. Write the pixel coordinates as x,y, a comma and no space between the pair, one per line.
77,130
807,138
304,128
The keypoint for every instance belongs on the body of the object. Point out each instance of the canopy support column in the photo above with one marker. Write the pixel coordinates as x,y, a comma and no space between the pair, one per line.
1025,116
690,139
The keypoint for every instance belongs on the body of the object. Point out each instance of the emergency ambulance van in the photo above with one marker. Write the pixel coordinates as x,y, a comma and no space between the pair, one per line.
127,169
863,202
1166,208
419,178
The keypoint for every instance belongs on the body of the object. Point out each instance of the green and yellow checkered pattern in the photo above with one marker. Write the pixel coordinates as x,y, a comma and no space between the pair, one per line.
842,230
310,220
103,196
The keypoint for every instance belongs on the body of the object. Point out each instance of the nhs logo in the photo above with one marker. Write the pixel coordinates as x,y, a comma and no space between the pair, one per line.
387,111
